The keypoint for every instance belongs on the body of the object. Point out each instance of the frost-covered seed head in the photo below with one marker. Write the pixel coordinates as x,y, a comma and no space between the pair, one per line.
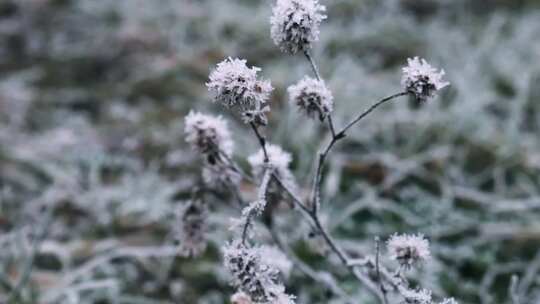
295,24
278,159
313,97
208,134
252,276
421,79
408,249
234,83
193,227
240,298
420,296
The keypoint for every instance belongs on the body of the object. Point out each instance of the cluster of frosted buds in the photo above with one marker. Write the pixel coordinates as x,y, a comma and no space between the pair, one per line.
408,249
233,83
252,276
279,160
313,97
295,24
210,136
192,229
421,79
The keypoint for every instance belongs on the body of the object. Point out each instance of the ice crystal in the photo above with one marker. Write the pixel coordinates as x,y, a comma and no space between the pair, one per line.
193,226
420,296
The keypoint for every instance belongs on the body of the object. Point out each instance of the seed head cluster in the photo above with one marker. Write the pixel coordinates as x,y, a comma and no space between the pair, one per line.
312,97
421,79
295,24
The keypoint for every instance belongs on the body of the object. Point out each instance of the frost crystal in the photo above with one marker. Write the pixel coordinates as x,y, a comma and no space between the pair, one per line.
278,159
252,276
191,235
408,249
233,83
421,79
420,296
449,301
208,134
295,24
312,96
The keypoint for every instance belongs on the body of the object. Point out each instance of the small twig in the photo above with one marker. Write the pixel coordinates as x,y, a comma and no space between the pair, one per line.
313,65
513,289
378,271
262,140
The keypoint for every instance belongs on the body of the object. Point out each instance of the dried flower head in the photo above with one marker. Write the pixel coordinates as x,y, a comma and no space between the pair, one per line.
252,276
421,79
278,159
408,249
191,234
240,298
295,24
420,296
233,83
313,97
208,134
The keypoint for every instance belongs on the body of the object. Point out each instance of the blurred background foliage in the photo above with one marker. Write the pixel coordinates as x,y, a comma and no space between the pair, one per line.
93,163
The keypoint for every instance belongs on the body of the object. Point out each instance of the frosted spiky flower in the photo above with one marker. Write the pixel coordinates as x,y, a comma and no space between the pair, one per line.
449,301
252,276
408,249
313,97
192,229
421,79
278,159
295,24
240,298
233,83
208,134
420,296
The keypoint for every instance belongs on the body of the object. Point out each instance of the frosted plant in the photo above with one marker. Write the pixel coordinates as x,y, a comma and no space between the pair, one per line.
192,228
240,298
408,249
208,134
233,83
278,159
313,97
421,79
420,296
295,24
252,276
